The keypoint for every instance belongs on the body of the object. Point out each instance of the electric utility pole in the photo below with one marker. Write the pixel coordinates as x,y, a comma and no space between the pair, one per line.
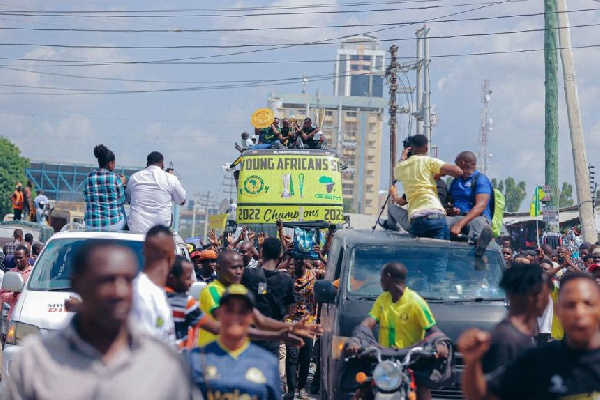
229,186
423,112
582,176
486,127
205,201
427,90
551,105
419,68
391,72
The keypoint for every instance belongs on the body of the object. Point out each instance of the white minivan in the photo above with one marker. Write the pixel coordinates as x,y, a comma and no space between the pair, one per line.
40,308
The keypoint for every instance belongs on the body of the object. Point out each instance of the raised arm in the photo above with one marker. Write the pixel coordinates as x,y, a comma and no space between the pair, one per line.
451,169
473,344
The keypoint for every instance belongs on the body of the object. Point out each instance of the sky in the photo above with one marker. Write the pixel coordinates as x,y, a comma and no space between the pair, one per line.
183,77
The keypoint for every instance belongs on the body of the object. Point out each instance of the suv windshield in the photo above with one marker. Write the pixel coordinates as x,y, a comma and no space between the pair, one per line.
441,273
53,269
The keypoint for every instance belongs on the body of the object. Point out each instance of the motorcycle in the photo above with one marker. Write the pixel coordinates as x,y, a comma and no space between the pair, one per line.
391,377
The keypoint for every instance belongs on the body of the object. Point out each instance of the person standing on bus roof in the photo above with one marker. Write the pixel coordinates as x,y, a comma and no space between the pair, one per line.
151,193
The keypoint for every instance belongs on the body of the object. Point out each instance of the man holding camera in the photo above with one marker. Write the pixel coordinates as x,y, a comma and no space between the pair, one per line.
418,173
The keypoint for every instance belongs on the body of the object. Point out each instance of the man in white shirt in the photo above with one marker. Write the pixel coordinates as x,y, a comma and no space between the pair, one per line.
150,304
231,211
41,207
151,193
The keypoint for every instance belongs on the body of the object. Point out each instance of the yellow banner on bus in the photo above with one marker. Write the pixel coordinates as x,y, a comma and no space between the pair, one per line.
270,214
293,178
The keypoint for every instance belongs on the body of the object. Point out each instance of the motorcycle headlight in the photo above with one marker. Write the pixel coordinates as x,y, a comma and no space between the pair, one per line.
387,376
17,331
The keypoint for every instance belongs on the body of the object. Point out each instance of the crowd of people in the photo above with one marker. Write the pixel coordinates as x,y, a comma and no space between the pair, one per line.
282,283
253,331
28,208
253,325
284,134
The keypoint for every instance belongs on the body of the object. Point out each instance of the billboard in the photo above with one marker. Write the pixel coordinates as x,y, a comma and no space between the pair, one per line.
291,186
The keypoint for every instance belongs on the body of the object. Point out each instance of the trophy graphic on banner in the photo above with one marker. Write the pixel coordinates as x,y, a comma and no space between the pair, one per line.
301,184
285,193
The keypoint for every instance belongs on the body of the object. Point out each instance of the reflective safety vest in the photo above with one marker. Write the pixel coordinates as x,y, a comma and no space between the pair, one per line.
17,200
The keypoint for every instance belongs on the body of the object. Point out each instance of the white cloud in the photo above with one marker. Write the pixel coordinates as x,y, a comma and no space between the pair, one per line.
299,17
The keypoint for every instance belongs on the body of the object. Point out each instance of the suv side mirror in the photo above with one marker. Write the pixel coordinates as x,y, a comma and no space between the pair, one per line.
196,289
324,291
13,281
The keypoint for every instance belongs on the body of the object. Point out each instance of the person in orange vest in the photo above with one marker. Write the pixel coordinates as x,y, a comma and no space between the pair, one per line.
17,201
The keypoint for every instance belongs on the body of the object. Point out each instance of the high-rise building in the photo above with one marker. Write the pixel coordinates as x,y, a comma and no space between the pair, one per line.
353,126
359,68
352,117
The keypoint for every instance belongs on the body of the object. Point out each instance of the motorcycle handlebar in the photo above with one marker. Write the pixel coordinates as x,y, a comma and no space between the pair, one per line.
406,354
420,352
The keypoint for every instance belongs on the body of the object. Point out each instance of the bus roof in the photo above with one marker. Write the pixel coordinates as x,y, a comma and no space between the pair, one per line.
282,152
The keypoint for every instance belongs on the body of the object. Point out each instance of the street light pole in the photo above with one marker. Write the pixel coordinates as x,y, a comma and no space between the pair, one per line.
206,217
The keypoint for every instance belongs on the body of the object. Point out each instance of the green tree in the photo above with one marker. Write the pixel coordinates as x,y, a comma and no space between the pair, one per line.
498,185
566,195
12,170
514,193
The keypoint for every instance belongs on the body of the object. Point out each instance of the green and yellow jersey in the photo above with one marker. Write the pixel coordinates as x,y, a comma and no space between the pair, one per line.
403,323
210,298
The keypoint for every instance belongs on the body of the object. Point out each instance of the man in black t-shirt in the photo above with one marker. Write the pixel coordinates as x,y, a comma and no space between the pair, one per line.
274,290
567,369
528,294
306,136
287,134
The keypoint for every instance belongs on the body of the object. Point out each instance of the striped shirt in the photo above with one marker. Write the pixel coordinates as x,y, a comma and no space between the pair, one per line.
104,195
186,313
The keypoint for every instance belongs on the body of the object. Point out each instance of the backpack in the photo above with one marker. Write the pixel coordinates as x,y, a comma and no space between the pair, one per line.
266,298
497,206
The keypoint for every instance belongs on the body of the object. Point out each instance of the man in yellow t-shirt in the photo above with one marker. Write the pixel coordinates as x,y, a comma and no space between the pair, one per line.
403,316
418,174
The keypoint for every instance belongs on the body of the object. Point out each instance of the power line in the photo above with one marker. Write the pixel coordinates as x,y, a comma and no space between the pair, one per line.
263,28
282,82
455,36
79,63
253,13
325,41
233,9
